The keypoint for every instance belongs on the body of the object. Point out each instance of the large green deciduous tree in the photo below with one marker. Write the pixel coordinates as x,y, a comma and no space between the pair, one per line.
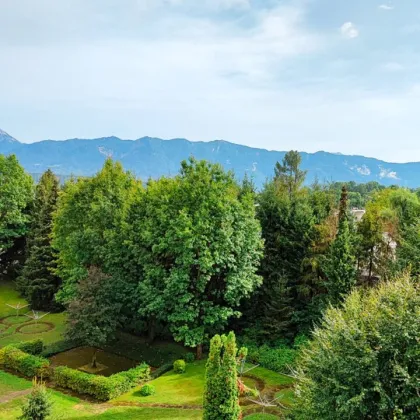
364,360
89,216
37,282
221,393
16,194
196,244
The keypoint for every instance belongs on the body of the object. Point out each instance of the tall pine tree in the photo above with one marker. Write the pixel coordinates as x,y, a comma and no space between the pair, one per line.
340,264
37,282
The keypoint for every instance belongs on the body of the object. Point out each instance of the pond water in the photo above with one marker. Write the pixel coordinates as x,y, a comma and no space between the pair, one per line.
82,356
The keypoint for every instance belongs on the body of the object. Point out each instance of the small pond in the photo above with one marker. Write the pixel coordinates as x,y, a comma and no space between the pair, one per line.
82,356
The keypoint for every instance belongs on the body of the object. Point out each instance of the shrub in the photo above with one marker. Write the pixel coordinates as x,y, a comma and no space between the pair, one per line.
189,357
58,347
100,387
279,359
161,370
38,404
34,347
179,366
364,360
30,366
147,390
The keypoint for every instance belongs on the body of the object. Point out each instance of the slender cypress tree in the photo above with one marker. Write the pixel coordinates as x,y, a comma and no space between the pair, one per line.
37,281
221,395
340,265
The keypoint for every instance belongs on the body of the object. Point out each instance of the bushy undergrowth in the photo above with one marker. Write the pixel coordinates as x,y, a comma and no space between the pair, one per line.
147,390
179,366
34,347
24,363
100,387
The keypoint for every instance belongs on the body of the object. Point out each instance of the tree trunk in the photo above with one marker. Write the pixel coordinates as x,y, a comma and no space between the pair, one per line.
199,352
94,358
151,329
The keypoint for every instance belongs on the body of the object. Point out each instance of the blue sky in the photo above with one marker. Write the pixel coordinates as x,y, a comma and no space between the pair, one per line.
335,75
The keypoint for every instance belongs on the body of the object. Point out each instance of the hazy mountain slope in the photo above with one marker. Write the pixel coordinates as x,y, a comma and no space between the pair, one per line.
151,157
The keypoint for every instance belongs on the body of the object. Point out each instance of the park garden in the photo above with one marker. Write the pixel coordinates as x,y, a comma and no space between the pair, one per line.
197,296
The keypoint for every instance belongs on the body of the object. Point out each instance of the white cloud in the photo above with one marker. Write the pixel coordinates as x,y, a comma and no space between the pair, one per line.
386,7
387,173
393,66
362,170
348,30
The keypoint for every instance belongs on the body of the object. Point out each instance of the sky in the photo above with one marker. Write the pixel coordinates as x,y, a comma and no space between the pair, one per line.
334,75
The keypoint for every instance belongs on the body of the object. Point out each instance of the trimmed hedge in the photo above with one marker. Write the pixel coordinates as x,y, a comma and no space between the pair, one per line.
24,363
161,370
100,387
147,390
58,347
34,347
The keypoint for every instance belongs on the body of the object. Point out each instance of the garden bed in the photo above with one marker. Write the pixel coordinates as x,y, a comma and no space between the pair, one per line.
80,357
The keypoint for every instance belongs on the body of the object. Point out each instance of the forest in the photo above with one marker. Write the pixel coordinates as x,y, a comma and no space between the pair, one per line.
286,274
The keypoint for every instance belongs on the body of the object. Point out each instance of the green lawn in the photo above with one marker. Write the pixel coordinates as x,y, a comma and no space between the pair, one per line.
175,389
8,334
261,416
71,408
269,377
10,383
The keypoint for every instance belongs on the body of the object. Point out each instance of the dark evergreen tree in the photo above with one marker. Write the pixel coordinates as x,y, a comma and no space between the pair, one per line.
340,264
93,315
37,282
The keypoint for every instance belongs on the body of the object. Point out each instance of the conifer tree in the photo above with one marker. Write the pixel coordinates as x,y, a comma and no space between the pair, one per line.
38,405
221,395
37,281
340,264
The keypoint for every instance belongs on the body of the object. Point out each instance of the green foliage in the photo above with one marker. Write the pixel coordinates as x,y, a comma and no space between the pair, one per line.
147,390
296,230
189,357
34,347
364,360
161,370
93,314
279,359
89,216
37,282
340,265
100,387
179,366
58,347
26,364
16,189
194,245
38,405
221,395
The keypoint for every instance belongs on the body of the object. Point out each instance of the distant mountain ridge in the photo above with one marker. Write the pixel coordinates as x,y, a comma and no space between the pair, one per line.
154,157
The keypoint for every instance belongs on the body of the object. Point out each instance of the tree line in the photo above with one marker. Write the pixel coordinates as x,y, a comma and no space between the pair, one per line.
195,254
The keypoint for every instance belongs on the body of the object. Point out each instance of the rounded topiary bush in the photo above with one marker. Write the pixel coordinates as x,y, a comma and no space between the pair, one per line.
189,357
147,390
364,359
179,366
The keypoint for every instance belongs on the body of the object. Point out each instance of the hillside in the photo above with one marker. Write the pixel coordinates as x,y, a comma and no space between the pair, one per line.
153,157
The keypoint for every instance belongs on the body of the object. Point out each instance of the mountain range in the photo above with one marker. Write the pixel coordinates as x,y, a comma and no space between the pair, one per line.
154,157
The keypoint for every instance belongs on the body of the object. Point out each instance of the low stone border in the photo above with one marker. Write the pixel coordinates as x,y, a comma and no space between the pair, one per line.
50,326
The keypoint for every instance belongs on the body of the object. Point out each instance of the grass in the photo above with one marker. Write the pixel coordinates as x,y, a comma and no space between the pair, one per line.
261,416
269,377
9,335
10,383
70,408
174,389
